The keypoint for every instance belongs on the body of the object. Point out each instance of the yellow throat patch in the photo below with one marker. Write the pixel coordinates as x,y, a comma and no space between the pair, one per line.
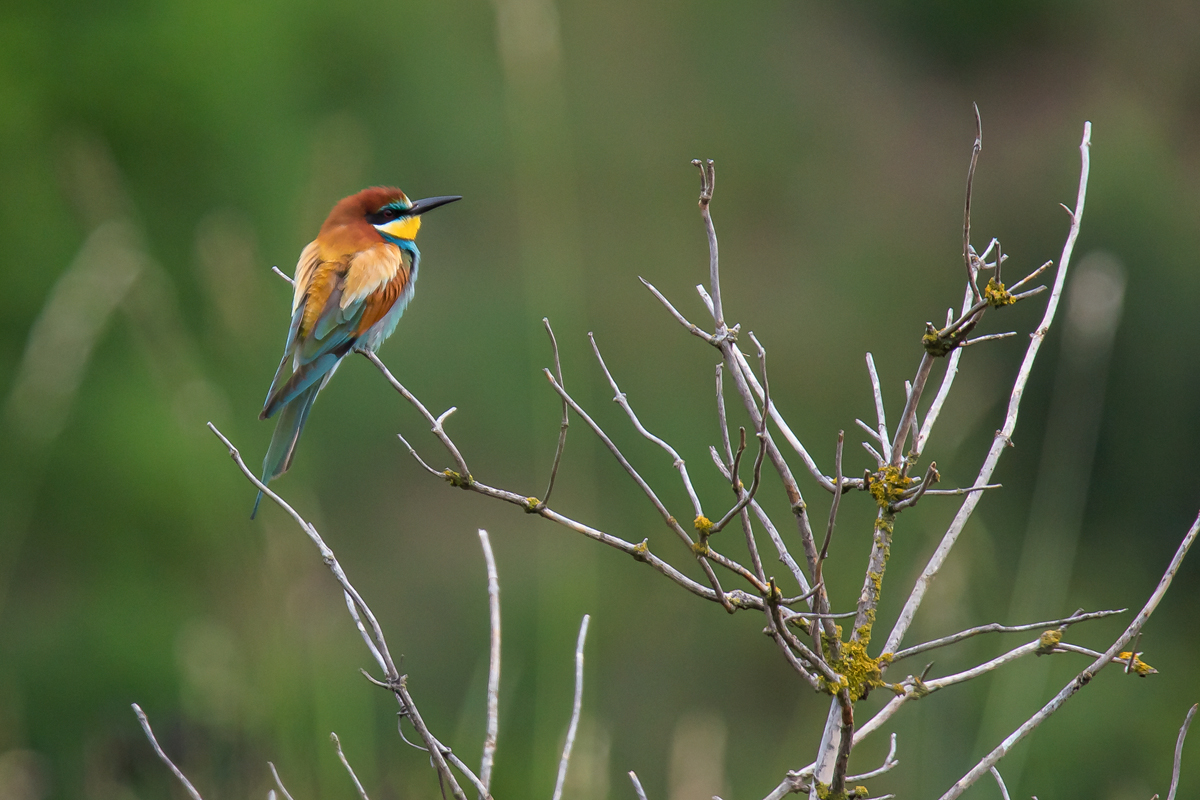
403,228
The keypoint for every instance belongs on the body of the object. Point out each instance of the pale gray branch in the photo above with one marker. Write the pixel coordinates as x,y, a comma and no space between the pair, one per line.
1183,731
1004,435
275,774
637,785
1083,678
622,400
996,627
575,711
187,785
882,432
493,688
333,737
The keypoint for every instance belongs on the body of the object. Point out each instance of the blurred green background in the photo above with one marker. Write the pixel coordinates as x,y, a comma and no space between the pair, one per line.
160,157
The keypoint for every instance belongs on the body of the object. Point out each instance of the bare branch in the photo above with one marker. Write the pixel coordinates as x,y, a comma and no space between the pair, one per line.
931,477
833,507
694,329
333,737
708,181
493,689
1004,435
435,423
566,755
880,416
996,627
374,639
991,337
637,785
967,206
672,523
965,490
278,782
1183,731
622,400
421,461
1003,789
283,275
1085,677
187,785
889,763
746,375
935,408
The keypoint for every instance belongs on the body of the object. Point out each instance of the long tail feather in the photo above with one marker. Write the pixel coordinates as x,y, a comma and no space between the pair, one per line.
287,433
304,378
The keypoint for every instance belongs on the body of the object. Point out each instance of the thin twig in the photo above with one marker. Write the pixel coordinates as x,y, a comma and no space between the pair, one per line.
931,477
333,737
833,508
743,374
1183,731
187,785
889,763
1084,677
622,400
1004,436
991,337
964,490
708,181
1003,789
278,782
935,408
694,329
374,639
637,785
996,627
837,785
283,275
880,416
435,423
967,205
566,422
571,729
493,688
785,557
669,518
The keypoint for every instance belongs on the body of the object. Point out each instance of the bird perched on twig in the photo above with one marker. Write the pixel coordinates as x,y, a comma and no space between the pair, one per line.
352,285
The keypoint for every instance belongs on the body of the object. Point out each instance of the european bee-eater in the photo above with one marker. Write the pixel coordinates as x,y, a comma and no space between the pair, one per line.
352,285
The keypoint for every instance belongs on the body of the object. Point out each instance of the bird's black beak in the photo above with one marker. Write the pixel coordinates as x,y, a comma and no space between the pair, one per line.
430,203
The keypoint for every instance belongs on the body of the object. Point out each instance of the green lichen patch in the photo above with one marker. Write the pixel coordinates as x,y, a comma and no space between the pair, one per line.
1048,641
455,479
996,295
1140,667
937,345
858,671
888,485
703,525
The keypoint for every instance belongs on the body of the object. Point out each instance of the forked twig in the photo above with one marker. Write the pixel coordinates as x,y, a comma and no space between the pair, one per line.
1004,435
1084,677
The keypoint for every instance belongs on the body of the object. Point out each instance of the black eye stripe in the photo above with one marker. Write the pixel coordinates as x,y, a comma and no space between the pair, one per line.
384,215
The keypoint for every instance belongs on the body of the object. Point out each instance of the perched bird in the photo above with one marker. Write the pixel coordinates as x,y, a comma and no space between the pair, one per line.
352,284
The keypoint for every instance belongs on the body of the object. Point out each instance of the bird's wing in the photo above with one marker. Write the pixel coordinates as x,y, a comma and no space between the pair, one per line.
337,303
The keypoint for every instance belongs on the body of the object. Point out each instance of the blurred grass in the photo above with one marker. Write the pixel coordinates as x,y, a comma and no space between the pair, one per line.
223,132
